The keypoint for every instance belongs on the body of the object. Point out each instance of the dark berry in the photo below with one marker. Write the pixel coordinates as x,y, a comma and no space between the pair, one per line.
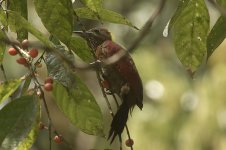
129,142
48,86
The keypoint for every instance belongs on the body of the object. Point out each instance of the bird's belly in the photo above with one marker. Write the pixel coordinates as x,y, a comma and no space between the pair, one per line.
114,79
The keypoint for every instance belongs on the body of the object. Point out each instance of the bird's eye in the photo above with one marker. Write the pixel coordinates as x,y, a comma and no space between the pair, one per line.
96,31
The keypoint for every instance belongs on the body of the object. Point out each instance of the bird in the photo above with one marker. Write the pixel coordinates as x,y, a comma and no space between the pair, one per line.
122,77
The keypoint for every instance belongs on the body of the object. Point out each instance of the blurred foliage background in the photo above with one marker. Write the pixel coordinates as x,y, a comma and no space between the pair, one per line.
180,113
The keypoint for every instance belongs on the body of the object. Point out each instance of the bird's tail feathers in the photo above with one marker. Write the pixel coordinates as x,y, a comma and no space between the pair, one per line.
119,122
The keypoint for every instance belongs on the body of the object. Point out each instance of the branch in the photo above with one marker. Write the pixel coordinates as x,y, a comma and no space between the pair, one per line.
81,65
144,32
218,7
3,71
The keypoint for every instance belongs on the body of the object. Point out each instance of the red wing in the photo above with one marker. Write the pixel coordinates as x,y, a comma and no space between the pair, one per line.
128,71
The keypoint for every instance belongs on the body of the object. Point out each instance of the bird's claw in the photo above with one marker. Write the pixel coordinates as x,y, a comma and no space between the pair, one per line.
125,89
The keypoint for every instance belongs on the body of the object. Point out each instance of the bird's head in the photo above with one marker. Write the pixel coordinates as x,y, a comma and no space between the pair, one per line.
96,36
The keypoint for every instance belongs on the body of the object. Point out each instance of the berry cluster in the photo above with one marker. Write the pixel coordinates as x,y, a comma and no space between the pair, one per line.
23,60
26,58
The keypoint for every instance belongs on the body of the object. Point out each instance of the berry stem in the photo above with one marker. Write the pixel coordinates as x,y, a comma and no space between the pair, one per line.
3,70
127,131
40,58
48,116
42,96
21,51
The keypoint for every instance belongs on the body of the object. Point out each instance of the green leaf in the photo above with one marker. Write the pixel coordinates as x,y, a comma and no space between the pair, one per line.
80,47
26,83
19,123
94,5
80,107
2,51
7,88
58,69
2,46
104,15
57,17
180,8
72,96
190,31
3,18
2,35
222,2
17,22
216,35
21,8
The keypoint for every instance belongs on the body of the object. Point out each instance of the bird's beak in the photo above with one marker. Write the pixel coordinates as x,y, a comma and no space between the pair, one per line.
83,34
80,33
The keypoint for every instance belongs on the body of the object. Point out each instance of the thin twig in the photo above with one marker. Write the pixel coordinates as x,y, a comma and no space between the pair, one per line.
147,26
127,131
38,86
104,94
219,7
80,65
144,32
42,96
40,58
3,71
49,119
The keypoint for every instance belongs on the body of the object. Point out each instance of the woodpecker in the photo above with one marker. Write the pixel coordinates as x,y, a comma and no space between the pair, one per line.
122,77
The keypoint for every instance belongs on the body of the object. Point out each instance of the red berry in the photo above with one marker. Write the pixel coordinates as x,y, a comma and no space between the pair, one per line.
129,142
49,80
33,52
48,86
21,60
58,139
12,51
25,44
